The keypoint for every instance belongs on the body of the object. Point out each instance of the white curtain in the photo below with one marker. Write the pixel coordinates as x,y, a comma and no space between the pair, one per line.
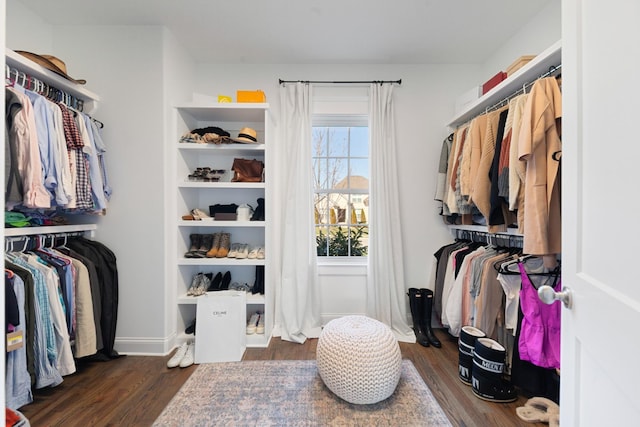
297,295
386,293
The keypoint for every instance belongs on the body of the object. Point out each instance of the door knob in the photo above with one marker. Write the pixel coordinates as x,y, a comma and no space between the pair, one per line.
547,295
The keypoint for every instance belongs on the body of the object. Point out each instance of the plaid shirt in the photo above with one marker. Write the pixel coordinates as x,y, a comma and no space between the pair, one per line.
75,145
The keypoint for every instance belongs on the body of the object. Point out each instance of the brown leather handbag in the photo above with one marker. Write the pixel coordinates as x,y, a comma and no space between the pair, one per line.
246,170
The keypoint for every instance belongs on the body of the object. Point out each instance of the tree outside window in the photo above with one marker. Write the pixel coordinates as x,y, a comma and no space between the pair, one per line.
341,198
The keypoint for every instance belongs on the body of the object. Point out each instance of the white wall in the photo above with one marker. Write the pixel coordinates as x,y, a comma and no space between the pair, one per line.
534,37
27,30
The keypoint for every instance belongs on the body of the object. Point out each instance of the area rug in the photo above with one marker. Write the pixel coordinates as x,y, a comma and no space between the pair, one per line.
291,393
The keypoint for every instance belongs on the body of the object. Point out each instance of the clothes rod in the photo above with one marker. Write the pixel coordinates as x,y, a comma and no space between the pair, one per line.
553,69
399,81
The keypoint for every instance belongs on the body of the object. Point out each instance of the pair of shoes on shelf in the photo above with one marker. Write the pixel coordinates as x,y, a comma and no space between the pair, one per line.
238,250
255,325
242,287
220,245
200,284
220,282
257,252
183,357
199,215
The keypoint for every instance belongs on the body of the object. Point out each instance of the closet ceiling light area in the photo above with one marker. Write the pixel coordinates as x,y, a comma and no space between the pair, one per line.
326,32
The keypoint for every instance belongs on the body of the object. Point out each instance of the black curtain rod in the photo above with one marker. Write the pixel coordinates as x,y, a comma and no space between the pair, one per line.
341,81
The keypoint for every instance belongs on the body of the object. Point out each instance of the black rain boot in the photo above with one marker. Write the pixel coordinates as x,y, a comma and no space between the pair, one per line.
260,273
415,304
195,242
425,319
258,213
466,344
487,374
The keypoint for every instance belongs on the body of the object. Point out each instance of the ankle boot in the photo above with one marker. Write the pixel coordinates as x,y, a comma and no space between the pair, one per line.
425,319
258,213
215,244
226,279
487,373
195,241
225,243
205,245
466,344
260,269
415,304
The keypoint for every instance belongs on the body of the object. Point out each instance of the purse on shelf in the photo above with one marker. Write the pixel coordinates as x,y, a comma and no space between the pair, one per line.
246,170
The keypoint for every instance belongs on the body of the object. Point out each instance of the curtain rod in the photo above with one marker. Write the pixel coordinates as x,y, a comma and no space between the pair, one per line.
399,81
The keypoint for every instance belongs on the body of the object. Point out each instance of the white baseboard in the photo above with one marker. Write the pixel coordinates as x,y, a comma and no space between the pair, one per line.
138,346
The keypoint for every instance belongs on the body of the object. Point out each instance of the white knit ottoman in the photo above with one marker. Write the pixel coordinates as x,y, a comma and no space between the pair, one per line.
359,359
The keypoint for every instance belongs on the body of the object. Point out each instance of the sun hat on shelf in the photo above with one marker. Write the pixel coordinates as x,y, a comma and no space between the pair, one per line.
51,63
247,136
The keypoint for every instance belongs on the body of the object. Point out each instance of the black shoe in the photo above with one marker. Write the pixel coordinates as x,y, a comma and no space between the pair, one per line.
226,279
466,343
416,306
191,329
487,372
215,283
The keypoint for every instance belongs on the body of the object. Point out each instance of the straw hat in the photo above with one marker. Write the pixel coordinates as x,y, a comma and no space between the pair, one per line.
51,63
247,135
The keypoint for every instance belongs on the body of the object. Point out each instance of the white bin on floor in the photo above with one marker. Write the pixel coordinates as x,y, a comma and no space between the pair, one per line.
220,327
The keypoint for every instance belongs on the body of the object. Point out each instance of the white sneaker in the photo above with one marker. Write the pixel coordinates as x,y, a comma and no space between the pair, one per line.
251,325
253,253
187,359
178,355
260,254
243,251
260,325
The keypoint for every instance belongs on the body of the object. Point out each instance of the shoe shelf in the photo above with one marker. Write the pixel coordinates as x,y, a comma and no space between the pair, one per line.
185,299
220,261
231,185
221,224
187,195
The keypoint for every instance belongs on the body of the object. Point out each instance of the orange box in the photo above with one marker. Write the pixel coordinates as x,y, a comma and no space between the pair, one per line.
251,96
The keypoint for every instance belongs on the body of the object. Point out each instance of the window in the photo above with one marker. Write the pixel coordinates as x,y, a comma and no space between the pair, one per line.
341,194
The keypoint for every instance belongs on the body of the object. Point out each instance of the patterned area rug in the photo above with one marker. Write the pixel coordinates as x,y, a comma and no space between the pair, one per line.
291,393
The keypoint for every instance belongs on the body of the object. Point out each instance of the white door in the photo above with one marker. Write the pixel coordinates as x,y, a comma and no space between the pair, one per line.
600,365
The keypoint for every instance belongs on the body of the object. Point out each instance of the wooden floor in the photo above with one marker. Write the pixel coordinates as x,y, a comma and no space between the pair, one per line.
133,390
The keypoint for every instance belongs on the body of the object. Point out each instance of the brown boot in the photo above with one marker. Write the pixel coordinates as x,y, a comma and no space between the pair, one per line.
225,242
215,244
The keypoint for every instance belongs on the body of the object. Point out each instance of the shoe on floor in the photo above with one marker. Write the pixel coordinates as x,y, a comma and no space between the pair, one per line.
187,359
178,356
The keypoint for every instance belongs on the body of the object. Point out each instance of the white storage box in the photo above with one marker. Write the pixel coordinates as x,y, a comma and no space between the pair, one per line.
220,327
463,101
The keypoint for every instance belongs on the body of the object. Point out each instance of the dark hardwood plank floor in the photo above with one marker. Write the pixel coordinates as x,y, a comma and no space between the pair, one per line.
133,390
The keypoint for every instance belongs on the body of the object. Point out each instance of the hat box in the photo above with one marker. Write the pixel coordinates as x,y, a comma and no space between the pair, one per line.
251,96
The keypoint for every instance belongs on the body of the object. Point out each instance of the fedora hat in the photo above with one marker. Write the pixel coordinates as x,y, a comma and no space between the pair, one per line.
51,63
247,136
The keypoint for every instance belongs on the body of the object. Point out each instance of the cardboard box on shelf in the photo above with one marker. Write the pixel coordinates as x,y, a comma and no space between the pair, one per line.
519,63
251,96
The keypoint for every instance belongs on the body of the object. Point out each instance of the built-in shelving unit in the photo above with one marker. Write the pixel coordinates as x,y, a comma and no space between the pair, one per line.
188,195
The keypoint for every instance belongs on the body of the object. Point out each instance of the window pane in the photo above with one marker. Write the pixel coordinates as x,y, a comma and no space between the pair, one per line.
338,142
359,142
320,174
359,168
336,173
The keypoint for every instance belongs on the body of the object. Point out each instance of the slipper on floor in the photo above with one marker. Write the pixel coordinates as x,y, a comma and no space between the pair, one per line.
539,409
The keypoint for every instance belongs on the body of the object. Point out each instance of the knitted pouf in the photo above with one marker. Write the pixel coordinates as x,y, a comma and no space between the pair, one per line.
359,359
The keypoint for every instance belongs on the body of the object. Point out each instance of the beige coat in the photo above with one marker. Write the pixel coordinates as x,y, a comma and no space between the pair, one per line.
540,146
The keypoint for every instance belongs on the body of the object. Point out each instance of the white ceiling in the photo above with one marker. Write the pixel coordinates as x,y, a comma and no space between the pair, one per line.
314,31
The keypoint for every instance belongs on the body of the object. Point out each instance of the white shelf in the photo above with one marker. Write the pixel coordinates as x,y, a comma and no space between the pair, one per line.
225,112
231,149
220,261
539,65
214,223
53,229
233,185
19,62
251,299
483,229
